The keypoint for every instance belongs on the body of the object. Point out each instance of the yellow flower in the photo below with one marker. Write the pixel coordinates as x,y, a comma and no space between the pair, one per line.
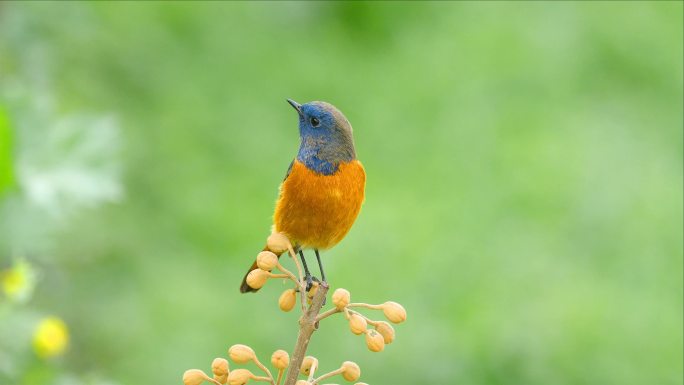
51,337
18,281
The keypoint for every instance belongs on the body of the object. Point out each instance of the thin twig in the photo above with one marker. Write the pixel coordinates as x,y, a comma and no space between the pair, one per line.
300,285
328,375
366,305
299,266
307,325
272,275
327,314
265,369
368,320
312,370
289,274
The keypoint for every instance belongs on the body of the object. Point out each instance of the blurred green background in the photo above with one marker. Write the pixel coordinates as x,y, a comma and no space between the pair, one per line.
524,196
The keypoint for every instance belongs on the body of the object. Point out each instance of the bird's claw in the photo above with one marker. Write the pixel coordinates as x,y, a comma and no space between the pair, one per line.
309,284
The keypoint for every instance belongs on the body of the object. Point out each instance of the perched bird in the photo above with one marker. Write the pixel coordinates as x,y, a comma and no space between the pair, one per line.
324,187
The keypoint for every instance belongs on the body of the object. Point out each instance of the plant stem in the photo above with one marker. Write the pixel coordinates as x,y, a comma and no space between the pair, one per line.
289,274
307,325
368,320
300,283
366,305
280,376
312,371
265,369
328,375
272,275
327,314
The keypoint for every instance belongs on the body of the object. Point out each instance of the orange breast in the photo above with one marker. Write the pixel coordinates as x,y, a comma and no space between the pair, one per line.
316,210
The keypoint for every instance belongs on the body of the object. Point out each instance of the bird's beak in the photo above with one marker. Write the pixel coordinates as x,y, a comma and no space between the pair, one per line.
295,105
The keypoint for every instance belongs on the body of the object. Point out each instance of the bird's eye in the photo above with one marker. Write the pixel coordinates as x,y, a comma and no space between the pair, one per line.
315,122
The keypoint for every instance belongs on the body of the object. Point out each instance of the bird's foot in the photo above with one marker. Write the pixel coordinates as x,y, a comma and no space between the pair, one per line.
309,279
319,282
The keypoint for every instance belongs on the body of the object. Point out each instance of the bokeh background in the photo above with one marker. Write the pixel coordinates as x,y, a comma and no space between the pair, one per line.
524,197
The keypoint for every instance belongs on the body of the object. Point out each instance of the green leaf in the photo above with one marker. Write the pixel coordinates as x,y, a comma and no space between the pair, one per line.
6,174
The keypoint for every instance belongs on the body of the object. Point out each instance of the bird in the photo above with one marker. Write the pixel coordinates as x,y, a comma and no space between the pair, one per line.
323,189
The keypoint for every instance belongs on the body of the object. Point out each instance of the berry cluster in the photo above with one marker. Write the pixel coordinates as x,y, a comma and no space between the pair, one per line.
377,333
243,354
382,332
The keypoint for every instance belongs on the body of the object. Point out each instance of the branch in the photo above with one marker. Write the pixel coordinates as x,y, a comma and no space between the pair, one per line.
381,333
307,325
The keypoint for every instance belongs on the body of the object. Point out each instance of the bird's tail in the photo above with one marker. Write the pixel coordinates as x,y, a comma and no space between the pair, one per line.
244,287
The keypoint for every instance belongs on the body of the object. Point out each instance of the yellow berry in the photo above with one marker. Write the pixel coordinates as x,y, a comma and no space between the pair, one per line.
287,300
239,377
341,298
357,324
307,364
313,290
351,371
278,243
194,377
266,260
241,354
374,341
386,330
219,366
394,312
280,359
257,278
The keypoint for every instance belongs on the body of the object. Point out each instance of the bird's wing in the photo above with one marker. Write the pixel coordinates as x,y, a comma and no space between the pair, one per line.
289,169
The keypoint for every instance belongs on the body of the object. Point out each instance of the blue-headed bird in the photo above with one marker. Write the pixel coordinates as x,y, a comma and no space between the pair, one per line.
324,187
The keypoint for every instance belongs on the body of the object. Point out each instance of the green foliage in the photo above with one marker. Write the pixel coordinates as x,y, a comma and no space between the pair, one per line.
524,197
6,173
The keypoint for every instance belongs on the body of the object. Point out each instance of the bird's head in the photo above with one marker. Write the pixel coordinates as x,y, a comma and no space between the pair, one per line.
326,135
